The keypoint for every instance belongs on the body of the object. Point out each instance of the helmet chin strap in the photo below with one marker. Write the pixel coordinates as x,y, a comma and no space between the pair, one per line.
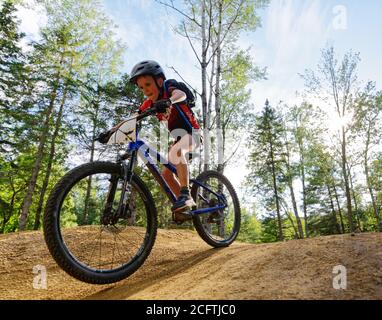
160,89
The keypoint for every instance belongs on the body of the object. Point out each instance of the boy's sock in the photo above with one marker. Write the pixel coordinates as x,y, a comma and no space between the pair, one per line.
184,201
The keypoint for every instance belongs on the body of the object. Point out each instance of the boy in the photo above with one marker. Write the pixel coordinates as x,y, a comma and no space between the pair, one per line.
149,77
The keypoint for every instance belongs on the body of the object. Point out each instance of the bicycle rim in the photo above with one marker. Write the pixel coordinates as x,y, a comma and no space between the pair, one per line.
96,246
220,227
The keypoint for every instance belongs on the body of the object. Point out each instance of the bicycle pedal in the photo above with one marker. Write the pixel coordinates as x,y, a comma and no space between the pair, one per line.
180,218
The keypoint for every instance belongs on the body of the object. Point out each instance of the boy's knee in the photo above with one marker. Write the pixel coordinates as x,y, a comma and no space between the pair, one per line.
174,155
177,158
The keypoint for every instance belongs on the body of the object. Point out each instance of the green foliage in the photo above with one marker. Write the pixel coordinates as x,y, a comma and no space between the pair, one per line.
74,70
321,224
251,227
238,72
266,160
266,146
14,83
270,230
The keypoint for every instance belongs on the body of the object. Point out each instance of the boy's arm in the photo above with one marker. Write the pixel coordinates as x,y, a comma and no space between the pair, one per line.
177,96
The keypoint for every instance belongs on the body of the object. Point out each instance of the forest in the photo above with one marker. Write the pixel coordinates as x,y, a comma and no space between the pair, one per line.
314,168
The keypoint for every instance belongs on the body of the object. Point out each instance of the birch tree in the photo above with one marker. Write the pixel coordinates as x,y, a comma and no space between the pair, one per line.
213,26
335,83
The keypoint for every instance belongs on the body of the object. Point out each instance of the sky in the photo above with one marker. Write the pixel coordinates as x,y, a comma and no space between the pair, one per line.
292,34
291,38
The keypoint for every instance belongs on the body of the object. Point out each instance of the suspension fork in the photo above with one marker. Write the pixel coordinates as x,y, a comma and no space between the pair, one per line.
127,172
107,211
127,169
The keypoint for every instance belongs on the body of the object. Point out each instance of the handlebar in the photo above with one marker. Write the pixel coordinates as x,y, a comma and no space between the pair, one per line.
104,137
146,113
159,106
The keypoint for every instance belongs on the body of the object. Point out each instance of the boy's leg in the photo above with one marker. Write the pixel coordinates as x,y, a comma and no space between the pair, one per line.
172,181
177,157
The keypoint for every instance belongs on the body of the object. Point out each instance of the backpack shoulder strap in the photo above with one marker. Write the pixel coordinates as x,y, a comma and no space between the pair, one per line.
165,88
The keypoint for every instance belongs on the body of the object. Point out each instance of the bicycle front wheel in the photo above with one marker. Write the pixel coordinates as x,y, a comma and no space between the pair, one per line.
84,235
218,228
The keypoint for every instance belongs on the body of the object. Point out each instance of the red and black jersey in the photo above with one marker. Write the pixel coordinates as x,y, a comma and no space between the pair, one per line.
175,119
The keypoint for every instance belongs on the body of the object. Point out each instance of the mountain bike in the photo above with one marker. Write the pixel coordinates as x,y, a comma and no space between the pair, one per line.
100,220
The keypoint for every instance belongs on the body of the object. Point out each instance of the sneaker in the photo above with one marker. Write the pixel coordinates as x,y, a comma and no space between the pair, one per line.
184,203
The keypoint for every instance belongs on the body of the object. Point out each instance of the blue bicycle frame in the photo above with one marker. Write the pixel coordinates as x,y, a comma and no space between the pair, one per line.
146,153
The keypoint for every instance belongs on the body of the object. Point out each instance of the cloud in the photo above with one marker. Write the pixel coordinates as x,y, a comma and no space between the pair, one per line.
31,19
296,30
148,32
294,33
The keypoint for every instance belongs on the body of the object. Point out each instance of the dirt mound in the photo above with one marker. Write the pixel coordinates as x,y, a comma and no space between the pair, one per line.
182,266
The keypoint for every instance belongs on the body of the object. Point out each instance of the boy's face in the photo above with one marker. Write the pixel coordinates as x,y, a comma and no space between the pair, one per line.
148,86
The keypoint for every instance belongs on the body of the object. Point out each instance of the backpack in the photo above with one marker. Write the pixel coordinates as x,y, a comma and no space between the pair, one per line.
183,87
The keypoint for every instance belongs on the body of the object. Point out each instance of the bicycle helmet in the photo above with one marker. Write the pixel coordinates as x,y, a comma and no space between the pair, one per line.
147,67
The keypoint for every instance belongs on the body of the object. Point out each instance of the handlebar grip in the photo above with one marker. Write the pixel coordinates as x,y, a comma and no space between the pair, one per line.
162,105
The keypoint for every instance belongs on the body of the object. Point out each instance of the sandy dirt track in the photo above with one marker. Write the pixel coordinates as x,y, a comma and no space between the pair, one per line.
182,266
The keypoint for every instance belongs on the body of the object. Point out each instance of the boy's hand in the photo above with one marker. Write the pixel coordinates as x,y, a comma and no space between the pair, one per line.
162,105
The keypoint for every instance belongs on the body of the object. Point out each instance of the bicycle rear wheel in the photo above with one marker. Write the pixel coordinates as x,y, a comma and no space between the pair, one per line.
221,227
87,240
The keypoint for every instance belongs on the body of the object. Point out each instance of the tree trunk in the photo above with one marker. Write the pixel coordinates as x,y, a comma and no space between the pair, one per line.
12,208
281,236
333,210
219,136
290,185
294,203
205,114
339,210
7,213
304,206
296,233
346,181
368,182
211,91
40,153
209,125
89,184
50,161
354,200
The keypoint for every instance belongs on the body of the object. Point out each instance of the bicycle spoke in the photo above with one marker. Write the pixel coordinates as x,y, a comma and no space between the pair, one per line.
113,244
94,248
100,246
112,261
212,193
123,238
